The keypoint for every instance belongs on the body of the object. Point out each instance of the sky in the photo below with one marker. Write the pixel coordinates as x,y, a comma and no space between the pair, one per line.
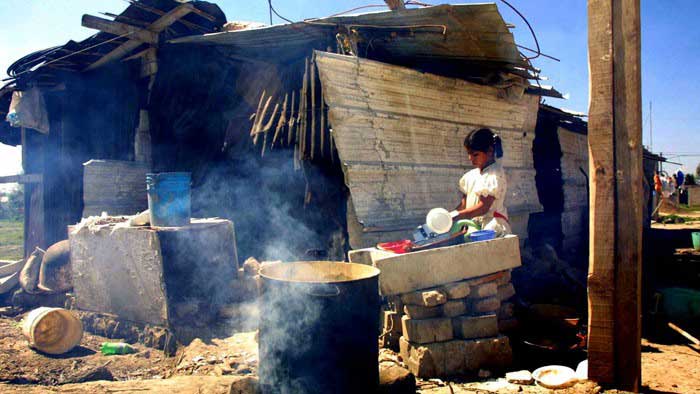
670,52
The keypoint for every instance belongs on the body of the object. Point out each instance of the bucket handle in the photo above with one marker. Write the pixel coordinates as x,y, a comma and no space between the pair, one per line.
325,290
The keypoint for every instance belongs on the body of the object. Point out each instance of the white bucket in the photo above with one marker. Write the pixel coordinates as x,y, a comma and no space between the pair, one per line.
52,330
439,220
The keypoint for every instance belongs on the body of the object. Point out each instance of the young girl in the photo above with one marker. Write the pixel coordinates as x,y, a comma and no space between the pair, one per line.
484,188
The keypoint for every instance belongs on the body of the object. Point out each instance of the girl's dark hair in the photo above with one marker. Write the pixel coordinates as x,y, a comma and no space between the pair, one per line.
483,139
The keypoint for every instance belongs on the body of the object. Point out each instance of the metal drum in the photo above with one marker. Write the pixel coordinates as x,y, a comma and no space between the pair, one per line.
319,328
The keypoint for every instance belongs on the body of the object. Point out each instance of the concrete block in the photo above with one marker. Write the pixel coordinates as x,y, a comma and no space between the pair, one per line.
425,297
485,305
456,290
454,308
437,359
484,290
402,273
505,278
427,330
506,311
368,255
488,353
469,327
506,291
422,312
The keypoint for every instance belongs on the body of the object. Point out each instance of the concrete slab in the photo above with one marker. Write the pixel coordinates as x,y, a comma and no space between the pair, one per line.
402,273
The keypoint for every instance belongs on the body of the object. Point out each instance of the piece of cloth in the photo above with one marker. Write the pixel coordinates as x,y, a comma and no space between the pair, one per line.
489,182
28,109
657,184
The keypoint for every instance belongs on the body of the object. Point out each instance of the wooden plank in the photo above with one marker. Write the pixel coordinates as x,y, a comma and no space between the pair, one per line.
119,29
614,285
26,178
629,183
159,25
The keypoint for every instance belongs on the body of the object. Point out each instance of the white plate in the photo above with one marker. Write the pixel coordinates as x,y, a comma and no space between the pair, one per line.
555,376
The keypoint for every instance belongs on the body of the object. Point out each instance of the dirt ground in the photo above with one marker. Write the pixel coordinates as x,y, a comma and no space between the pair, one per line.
667,368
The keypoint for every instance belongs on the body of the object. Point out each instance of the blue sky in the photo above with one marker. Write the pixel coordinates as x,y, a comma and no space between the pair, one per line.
670,51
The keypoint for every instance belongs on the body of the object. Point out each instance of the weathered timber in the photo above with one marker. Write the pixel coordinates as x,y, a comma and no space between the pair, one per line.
614,285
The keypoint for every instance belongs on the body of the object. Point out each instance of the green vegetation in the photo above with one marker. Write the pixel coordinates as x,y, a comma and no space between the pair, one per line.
11,239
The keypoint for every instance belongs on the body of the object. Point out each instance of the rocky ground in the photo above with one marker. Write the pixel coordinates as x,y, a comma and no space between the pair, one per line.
230,365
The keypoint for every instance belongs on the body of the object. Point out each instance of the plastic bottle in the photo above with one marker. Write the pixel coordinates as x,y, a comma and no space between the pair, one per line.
111,348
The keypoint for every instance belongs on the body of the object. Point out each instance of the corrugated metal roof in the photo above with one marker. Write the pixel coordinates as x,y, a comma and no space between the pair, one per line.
468,33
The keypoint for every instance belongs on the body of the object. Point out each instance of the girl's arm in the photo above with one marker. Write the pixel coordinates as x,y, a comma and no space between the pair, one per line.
479,209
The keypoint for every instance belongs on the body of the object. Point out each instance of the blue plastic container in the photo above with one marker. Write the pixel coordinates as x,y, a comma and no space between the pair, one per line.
481,235
169,201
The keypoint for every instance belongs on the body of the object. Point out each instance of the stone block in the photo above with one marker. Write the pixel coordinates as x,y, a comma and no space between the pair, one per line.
485,305
422,312
456,290
454,308
505,278
402,273
506,291
437,359
484,290
469,327
432,297
427,330
488,353
506,311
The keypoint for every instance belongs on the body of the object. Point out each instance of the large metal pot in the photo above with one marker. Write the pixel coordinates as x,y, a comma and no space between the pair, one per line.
319,327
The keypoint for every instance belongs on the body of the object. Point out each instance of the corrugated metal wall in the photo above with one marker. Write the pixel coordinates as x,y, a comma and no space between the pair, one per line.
399,135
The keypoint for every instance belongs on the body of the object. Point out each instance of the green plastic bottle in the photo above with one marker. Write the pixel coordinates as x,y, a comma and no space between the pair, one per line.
111,348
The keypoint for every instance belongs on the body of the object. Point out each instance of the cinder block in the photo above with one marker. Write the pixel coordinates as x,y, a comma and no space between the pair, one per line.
454,308
504,279
456,290
506,291
433,297
485,305
427,330
422,312
506,311
484,290
469,327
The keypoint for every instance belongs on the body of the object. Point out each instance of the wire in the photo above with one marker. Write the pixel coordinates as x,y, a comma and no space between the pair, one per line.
75,53
534,36
269,2
358,8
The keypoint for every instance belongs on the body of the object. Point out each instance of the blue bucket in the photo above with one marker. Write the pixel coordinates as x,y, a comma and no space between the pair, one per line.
169,198
482,235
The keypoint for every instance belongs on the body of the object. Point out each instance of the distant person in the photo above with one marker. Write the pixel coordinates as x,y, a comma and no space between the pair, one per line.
658,186
680,177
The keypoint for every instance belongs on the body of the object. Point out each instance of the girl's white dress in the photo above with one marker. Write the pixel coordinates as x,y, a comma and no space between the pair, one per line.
489,182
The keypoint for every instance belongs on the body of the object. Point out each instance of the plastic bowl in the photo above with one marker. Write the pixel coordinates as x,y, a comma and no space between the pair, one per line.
482,235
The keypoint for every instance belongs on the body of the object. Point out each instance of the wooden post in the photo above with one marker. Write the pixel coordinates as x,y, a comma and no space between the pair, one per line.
614,136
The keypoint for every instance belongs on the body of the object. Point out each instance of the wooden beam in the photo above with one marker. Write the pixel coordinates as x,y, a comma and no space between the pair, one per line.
119,29
159,25
28,178
615,157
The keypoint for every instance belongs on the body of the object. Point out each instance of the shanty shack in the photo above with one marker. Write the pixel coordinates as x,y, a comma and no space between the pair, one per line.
314,137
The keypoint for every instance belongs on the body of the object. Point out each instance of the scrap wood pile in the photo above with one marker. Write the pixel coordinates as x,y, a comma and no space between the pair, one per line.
455,328
294,116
